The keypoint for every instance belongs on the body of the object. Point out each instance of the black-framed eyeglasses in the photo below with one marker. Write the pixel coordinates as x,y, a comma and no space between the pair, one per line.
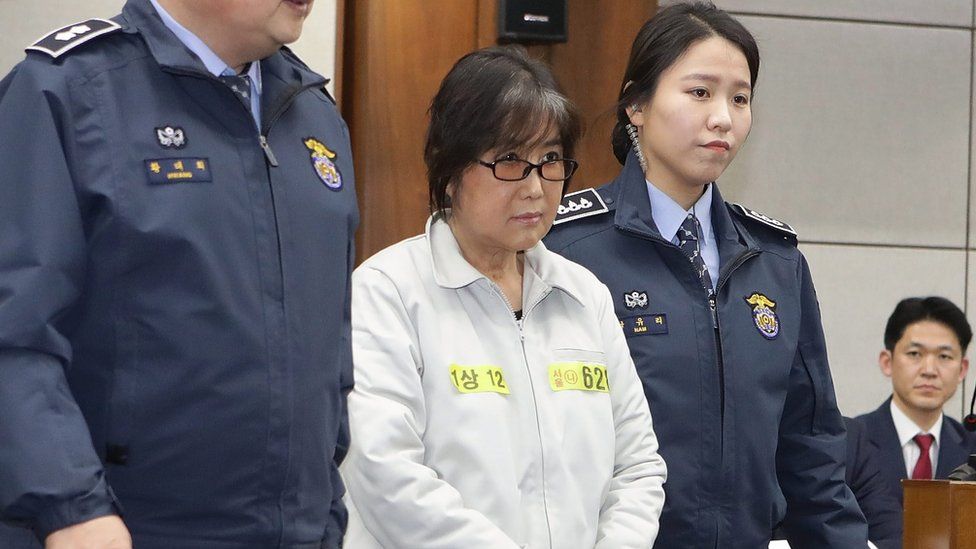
516,169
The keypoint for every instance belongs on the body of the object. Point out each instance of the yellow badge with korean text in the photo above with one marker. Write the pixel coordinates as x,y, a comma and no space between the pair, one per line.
578,376
479,379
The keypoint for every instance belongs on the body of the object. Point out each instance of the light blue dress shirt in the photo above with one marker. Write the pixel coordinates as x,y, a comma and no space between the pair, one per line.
669,215
215,65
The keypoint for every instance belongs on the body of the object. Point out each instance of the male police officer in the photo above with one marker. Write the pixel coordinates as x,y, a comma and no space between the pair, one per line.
176,224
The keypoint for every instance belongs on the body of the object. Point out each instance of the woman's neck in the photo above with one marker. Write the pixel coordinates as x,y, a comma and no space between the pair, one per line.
684,195
503,267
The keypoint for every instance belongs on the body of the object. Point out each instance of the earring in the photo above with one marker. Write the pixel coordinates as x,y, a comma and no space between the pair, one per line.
635,144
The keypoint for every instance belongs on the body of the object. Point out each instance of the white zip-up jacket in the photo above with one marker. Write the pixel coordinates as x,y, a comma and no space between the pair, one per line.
473,430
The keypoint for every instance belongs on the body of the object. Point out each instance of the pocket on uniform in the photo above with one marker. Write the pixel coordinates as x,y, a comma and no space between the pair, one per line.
567,354
578,370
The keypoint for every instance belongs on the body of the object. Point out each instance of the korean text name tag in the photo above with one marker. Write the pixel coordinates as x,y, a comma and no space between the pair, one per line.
478,379
578,376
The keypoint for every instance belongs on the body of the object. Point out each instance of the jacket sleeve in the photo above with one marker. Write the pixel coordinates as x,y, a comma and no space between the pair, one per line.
821,510
50,475
338,515
632,509
401,501
876,498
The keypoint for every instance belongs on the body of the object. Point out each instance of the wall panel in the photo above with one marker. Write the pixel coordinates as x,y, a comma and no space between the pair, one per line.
858,287
954,13
854,126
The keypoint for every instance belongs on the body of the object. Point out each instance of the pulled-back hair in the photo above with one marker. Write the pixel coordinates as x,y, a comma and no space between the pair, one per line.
661,42
493,99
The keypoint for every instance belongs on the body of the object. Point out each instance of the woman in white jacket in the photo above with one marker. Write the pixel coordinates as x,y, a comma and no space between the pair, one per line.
496,404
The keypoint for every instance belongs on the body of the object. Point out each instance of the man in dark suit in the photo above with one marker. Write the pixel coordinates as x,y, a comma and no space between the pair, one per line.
909,436
876,496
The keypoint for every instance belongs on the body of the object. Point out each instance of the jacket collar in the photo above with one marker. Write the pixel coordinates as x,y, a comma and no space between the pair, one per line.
139,17
451,270
953,449
633,214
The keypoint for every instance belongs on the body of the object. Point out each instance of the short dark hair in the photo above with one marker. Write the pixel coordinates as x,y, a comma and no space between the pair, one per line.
916,309
660,42
493,98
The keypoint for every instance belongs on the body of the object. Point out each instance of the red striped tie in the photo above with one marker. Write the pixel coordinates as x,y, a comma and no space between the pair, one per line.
923,468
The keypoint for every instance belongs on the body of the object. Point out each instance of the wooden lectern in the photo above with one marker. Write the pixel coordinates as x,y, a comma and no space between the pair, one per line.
939,514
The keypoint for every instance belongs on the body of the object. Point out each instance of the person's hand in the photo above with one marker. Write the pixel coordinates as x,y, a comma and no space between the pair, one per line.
101,533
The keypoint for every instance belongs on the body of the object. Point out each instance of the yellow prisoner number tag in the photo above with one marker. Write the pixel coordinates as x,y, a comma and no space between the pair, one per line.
578,376
479,379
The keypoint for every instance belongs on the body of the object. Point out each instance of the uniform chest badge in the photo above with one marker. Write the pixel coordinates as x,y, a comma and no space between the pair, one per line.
635,300
323,163
764,315
170,137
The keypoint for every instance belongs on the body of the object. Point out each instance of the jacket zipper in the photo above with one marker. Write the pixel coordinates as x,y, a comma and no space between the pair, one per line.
713,305
270,162
525,362
282,107
712,300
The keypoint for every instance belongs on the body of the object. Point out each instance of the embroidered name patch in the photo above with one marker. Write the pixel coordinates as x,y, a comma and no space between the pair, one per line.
639,325
478,379
162,171
578,376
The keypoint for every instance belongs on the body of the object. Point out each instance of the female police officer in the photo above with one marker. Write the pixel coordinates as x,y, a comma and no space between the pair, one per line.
715,300
496,404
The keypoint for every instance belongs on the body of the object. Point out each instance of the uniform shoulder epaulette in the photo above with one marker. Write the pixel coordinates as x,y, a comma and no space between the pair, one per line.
60,41
765,219
325,90
580,204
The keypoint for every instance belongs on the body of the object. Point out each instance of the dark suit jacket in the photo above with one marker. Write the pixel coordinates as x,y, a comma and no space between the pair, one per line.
877,498
873,444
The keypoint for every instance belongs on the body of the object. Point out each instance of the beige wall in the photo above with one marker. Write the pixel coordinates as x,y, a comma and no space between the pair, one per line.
24,21
861,140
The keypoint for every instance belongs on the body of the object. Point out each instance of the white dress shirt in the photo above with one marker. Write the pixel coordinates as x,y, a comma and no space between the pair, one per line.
907,429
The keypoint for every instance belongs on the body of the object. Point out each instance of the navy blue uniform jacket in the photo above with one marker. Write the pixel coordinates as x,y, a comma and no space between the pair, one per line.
747,420
174,307
955,445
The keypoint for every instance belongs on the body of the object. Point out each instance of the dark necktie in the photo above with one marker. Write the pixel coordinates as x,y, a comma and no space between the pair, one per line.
923,468
689,244
241,85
